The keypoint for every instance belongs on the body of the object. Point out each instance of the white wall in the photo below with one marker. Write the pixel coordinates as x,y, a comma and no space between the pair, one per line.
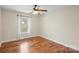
62,26
9,25
9,28
0,25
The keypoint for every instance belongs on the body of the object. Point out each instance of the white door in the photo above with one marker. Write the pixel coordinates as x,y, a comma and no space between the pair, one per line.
24,26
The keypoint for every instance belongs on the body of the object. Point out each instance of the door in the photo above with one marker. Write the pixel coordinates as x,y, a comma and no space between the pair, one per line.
24,26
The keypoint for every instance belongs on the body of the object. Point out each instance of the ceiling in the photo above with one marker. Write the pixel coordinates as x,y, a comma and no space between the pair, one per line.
28,8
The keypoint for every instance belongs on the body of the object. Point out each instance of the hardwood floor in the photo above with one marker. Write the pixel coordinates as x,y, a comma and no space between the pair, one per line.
34,45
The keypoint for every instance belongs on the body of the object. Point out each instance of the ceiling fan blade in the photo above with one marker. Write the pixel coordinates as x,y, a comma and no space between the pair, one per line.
36,8
41,10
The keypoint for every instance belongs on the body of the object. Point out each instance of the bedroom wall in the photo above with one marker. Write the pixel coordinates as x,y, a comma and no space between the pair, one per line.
62,26
0,25
9,25
9,22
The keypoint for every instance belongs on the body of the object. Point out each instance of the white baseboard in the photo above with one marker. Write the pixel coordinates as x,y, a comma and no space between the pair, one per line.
28,36
17,39
65,44
9,40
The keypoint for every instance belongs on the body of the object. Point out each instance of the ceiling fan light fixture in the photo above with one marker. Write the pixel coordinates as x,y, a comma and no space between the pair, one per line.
38,12
35,12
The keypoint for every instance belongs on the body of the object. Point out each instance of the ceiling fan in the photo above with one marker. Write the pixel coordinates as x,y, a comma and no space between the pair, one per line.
38,10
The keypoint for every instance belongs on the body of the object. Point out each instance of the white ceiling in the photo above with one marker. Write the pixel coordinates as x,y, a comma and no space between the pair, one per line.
28,8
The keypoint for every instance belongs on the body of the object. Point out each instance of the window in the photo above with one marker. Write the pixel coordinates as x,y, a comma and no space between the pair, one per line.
24,25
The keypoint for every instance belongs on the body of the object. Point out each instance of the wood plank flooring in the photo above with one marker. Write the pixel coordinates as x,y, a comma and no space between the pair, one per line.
34,45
